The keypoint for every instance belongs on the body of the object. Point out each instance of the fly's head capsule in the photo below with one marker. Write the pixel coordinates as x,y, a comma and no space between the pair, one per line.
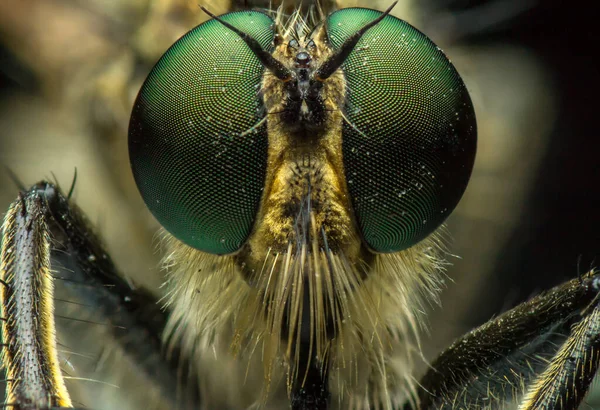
236,122
304,157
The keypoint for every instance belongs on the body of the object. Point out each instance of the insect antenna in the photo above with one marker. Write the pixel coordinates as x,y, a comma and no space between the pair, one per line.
339,56
267,60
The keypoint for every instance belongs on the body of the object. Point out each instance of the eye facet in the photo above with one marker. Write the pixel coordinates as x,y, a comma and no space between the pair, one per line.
197,139
409,143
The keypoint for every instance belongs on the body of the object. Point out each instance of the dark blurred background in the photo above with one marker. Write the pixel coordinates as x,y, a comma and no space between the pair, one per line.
69,70
558,235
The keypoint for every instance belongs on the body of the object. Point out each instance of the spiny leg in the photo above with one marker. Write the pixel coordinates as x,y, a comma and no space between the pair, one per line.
34,379
547,347
567,378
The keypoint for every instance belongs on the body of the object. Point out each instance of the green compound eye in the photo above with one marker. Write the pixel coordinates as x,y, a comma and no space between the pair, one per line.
410,140
197,146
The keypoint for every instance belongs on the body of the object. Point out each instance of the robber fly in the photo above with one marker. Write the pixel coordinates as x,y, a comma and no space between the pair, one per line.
302,170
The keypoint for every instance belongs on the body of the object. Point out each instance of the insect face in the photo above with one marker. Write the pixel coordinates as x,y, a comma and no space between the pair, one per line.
302,169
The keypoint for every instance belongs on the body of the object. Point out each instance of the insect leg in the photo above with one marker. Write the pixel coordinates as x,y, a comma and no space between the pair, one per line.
554,335
38,218
565,381
33,375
